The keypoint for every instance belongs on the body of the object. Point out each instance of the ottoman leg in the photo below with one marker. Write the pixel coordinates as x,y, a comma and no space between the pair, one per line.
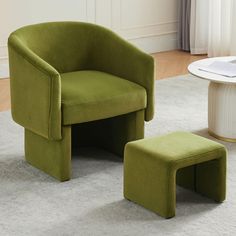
52,157
149,184
185,177
211,179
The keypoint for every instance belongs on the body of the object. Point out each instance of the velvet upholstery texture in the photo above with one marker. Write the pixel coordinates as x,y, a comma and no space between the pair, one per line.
74,75
153,166
85,92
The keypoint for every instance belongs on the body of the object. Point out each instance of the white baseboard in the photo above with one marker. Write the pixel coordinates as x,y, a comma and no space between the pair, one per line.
4,70
158,43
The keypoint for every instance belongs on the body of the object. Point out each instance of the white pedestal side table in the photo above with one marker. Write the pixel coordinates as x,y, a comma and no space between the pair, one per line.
221,100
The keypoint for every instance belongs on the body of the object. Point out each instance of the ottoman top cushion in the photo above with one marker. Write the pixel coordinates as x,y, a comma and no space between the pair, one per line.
178,146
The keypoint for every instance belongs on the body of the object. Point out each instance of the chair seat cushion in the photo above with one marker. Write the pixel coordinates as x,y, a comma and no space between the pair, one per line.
93,95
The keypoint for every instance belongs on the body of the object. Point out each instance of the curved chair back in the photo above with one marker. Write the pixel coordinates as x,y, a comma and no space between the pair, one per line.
66,46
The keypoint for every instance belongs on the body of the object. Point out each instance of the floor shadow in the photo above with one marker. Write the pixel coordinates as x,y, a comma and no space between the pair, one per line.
188,204
95,153
15,169
122,211
190,197
191,204
87,161
203,133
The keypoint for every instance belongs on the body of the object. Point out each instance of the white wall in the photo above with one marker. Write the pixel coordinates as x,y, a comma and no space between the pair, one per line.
150,24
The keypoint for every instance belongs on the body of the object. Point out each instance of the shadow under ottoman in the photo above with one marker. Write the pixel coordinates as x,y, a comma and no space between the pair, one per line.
153,166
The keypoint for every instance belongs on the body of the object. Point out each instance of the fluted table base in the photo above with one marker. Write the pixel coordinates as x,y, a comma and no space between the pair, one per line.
222,111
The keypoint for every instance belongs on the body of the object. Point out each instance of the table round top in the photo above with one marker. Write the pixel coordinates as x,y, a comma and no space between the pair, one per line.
193,68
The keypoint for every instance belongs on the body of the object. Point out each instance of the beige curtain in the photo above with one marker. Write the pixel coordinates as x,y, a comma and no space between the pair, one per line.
213,27
222,28
199,25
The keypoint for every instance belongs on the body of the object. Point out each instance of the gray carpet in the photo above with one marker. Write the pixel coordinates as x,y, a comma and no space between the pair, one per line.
91,203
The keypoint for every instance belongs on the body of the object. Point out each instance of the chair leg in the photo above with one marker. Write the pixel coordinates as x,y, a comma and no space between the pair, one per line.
111,134
52,157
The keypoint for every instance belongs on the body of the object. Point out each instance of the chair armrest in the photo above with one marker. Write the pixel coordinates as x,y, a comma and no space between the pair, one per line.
118,57
35,91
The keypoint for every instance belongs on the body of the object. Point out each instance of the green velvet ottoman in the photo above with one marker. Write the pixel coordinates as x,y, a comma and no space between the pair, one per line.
153,166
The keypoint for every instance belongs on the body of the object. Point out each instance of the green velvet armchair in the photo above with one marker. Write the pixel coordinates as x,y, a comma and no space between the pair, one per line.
77,84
